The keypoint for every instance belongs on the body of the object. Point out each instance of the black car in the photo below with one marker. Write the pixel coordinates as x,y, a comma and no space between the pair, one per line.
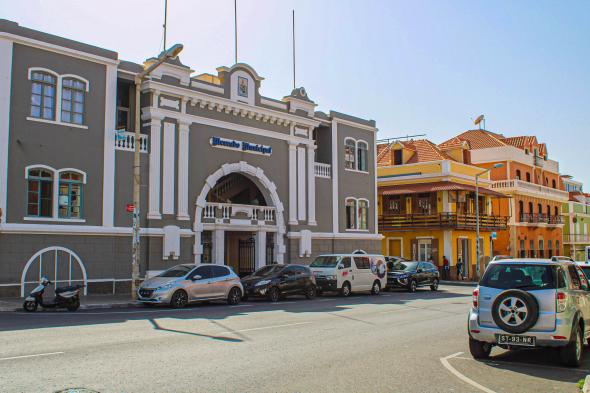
411,275
279,281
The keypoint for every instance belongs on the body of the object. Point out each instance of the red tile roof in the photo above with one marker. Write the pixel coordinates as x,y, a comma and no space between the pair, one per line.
479,139
425,151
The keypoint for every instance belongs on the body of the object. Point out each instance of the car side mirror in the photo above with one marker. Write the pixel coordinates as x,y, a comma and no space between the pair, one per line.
340,267
419,270
196,277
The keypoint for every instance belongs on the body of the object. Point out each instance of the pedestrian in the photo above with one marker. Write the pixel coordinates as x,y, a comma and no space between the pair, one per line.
445,272
460,269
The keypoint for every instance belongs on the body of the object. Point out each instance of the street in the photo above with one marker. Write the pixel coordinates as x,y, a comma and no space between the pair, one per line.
395,342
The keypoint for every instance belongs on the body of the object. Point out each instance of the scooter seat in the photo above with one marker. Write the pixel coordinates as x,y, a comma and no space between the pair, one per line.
67,289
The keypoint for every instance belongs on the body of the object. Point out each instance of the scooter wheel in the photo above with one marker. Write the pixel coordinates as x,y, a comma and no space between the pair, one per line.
73,306
30,306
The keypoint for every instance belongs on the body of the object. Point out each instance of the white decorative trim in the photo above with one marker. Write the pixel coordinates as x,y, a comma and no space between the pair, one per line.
89,230
40,166
174,104
293,184
52,219
301,186
5,87
274,104
78,171
41,69
311,185
329,235
171,242
376,197
109,164
58,123
233,86
356,171
168,161
335,172
354,124
205,86
74,76
260,249
183,169
168,69
154,176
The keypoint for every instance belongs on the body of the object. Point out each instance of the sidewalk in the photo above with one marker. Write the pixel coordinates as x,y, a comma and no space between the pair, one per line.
89,302
459,283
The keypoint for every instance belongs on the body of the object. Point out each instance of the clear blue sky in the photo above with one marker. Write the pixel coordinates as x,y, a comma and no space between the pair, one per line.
413,66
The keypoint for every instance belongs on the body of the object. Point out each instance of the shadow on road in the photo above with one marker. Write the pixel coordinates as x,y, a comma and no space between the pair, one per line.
157,326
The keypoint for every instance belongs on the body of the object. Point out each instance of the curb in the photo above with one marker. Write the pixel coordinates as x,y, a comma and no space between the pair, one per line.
86,306
460,283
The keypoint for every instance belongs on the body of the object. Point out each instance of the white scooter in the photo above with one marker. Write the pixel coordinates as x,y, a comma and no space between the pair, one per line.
65,297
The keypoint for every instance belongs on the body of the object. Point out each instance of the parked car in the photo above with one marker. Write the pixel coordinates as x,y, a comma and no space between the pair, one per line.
585,266
557,258
522,303
184,284
348,273
389,261
500,258
411,275
279,281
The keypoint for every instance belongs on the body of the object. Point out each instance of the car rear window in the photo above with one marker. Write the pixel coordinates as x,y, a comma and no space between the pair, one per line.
527,276
586,270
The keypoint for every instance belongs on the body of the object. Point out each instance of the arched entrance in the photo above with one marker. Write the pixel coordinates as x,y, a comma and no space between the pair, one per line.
239,219
59,264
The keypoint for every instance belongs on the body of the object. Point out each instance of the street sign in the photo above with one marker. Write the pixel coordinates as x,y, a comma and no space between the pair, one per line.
130,208
494,236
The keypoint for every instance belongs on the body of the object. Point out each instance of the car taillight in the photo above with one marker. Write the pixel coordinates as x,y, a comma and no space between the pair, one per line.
561,301
475,297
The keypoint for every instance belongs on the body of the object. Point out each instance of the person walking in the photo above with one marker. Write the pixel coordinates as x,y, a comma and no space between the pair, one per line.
445,272
460,269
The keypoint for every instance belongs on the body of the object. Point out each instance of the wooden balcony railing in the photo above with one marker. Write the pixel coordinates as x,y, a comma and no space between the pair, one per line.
441,220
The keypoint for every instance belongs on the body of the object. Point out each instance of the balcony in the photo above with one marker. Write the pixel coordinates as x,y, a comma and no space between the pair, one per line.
487,222
229,213
532,189
533,218
125,140
323,170
576,239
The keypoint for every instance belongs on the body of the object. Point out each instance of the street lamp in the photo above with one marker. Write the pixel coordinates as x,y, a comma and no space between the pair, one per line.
172,52
477,269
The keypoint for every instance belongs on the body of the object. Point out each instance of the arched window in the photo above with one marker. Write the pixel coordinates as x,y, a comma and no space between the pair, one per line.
556,211
521,210
539,209
553,184
43,95
71,194
528,177
518,174
363,214
350,213
362,153
350,154
548,211
39,193
531,207
72,101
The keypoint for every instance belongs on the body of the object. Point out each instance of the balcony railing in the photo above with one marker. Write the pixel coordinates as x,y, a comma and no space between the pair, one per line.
323,170
228,212
576,238
534,218
441,220
520,185
125,140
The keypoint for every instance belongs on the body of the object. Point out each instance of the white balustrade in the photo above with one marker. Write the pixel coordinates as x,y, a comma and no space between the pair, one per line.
515,184
236,211
125,141
209,211
323,170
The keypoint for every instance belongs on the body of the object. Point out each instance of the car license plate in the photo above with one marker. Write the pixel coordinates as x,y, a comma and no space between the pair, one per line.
508,339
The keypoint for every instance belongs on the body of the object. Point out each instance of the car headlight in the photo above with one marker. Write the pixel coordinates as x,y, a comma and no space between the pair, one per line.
263,282
330,277
402,276
164,287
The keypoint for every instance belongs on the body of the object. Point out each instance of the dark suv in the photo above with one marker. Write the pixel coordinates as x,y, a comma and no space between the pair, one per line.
277,281
411,275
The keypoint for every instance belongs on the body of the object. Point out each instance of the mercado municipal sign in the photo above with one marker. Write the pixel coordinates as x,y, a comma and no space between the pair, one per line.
247,147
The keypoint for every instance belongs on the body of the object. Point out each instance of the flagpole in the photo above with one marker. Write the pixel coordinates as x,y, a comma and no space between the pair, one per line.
236,29
294,84
165,21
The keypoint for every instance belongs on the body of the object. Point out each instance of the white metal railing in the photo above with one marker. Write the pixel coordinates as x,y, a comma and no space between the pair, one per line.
515,184
235,211
323,170
576,238
125,140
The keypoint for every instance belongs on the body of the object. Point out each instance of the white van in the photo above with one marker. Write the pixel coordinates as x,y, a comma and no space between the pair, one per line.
349,273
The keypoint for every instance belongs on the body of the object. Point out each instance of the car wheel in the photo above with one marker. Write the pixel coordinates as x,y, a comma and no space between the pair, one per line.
434,285
30,306
376,289
413,286
179,299
274,294
571,354
74,305
234,296
310,292
515,311
479,349
345,290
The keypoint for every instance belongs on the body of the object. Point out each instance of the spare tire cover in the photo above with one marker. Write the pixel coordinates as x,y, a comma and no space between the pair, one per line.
515,311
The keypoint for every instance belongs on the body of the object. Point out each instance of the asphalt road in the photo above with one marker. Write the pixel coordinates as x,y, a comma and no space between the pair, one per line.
396,342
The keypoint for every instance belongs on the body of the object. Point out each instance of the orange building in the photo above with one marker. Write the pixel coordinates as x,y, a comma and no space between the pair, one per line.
532,181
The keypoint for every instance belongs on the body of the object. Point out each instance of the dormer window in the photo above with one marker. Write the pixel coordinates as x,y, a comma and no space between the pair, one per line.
398,157
526,151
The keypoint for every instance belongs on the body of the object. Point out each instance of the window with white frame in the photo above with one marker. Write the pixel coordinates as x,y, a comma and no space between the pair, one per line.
350,213
72,100
362,153
39,193
357,214
350,154
43,88
70,195
363,214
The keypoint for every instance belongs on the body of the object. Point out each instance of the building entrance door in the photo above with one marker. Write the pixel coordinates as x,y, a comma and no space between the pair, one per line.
395,248
464,255
425,250
246,256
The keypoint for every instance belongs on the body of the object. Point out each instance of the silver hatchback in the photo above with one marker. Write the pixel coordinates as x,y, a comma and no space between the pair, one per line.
183,284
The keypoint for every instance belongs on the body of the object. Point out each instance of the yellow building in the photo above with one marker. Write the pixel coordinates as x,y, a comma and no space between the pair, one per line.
427,207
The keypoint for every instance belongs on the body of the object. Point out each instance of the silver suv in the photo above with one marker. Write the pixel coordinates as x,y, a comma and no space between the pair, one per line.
522,303
183,284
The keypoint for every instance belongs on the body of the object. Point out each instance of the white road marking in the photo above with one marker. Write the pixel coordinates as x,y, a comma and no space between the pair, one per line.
531,365
447,365
32,356
264,328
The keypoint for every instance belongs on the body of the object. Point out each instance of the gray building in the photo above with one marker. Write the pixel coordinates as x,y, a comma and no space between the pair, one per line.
228,176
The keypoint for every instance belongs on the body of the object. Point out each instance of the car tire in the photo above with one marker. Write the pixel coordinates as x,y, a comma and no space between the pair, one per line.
413,286
30,306
479,349
571,354
505,308
310,292
345,290
179,299
376,288
434,285
234,296
274,294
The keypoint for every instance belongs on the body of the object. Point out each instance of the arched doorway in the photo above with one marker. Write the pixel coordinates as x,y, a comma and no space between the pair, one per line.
239,219
59,264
